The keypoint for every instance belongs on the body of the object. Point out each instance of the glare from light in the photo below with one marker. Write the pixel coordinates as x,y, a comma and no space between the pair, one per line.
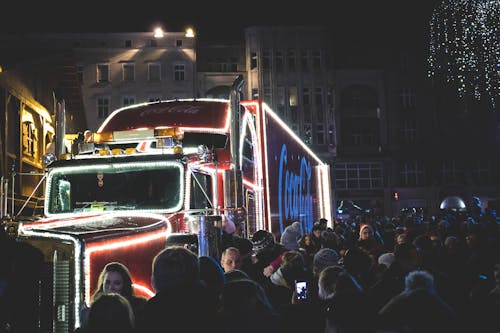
189,33
158,33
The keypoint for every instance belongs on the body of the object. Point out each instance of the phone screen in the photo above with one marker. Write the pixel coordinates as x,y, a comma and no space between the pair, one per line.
301,290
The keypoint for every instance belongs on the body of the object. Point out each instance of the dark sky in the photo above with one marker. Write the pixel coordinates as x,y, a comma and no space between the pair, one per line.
350,20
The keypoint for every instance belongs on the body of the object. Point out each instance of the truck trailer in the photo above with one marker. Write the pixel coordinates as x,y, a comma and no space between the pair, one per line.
161,173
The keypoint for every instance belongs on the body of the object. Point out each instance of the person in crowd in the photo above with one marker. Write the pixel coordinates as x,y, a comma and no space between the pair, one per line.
307,249
245,246
115,278
361,264
291,236
293,268
109,312
324,258
392,281
418,308
182,302
368,241
212,274
345,301
268,255
230,259
316,236
245,308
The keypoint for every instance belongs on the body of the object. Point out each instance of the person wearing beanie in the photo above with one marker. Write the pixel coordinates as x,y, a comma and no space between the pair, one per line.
268,254
325,257
291,236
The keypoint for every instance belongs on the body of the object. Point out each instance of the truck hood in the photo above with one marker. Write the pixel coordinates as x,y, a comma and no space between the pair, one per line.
99,223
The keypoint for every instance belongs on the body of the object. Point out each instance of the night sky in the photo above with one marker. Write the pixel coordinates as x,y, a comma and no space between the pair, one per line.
351,21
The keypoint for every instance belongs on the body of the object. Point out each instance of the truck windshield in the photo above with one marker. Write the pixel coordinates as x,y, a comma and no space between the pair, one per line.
116,186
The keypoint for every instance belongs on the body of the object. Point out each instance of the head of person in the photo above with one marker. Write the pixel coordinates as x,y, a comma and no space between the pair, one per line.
244,296
211,273
110,312
292,266
263,241
316,230
419,279
175,267
230,259
115,278
328,280
406,256
325,257
365,232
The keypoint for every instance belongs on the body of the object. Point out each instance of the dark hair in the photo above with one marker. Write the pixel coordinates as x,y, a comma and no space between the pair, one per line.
110,312
175,266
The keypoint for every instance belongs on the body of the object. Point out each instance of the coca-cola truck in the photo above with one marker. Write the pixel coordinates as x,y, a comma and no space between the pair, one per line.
168,172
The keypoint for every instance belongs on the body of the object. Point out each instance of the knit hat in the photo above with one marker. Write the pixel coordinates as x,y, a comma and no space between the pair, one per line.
386,259
361,227
325,257
262,240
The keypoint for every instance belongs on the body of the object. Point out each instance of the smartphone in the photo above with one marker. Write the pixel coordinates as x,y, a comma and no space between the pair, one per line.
301,290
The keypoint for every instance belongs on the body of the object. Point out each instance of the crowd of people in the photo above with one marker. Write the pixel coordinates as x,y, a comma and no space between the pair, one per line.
365,274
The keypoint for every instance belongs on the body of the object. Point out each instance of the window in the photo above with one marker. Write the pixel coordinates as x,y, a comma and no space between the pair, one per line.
102,73
154,72
280,100
128,100
30,135
79,73
320,134
352,175
306,96
407,98
307,134
291,60
253,60
128,43
178,43
482,172
452,172
303,60
279,61
128,72
331,135
412,173
255,93
154,97
267,95
409,131
293,96
103,104
152,43
317,60
179,72
266,59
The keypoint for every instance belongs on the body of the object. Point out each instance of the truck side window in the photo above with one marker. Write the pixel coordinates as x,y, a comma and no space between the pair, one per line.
200,189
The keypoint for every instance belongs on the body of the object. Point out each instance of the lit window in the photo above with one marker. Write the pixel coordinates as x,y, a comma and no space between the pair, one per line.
102,73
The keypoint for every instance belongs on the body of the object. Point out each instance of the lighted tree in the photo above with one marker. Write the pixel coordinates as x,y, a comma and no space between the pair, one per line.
465,47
